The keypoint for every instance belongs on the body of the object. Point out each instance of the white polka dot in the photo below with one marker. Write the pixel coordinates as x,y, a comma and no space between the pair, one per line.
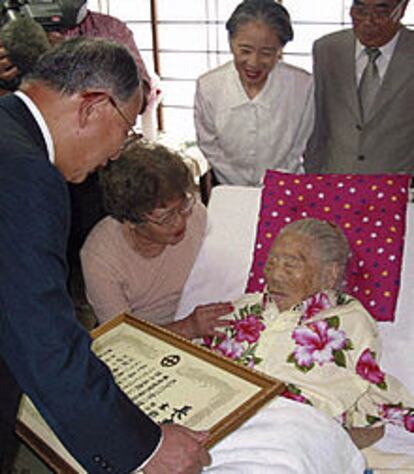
380,250
355,288
309,186
352,190
372,303
365,219
391,258
397,217
361,263
380,195
403,190
321,195
340,185
378,223
275,214
288,192
259,246
374,235
288,219
304,214
261,280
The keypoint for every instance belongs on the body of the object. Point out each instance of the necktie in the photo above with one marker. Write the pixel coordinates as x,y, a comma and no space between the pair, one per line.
370,82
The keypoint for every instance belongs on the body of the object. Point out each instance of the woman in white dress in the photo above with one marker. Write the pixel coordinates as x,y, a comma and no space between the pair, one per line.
256,111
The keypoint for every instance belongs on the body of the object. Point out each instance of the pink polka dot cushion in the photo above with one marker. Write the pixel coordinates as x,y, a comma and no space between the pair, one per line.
371,211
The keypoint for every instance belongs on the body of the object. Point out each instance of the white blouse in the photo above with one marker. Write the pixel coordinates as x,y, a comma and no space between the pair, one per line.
242,137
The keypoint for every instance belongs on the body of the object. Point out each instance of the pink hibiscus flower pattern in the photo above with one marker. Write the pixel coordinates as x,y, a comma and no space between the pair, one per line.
396,414
409,421
294,393
230,348
239,339
369,370
392,413
248,329
314,305
319,342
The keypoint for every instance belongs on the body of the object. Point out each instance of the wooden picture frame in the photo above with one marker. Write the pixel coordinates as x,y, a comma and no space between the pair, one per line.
169,378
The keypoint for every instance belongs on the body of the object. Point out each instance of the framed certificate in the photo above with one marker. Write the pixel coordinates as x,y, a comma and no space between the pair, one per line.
168,377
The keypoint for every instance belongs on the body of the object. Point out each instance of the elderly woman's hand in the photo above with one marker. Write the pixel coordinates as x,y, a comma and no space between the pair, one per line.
203,321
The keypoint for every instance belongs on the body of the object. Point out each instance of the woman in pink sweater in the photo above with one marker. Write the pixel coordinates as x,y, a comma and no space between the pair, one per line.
137,259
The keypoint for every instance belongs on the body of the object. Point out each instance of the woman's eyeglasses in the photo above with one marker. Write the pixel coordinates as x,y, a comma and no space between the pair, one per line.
169,218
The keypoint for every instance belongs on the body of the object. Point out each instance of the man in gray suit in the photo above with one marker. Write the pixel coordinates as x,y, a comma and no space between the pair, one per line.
350,137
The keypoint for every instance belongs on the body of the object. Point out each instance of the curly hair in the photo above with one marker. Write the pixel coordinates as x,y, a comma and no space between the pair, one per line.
145,177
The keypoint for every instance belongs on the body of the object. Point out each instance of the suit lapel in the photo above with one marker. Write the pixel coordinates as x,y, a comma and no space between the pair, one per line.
400,69
346,68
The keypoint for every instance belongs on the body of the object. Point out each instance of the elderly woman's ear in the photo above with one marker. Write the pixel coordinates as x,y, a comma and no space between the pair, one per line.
330,275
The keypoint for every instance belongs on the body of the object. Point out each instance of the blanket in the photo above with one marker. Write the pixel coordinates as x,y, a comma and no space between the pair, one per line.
287,437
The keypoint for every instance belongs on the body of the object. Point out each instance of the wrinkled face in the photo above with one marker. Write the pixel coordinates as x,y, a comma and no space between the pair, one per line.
376,22
255,47
293,270
167,225
104,135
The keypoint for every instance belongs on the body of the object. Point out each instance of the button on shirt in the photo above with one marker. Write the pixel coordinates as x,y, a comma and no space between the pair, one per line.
242,137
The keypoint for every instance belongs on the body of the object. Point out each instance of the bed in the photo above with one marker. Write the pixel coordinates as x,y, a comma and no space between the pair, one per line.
221,273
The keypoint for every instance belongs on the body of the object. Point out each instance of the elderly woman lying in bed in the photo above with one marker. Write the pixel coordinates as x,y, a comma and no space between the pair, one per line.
321,342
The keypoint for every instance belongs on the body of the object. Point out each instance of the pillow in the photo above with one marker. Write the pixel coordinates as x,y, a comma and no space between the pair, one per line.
371,211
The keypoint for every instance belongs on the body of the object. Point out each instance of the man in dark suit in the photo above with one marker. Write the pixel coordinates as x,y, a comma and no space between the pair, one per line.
25,38
71,116
346,138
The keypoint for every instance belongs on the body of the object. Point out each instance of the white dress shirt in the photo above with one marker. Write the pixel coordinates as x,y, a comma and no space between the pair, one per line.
361,57
37,115
242,137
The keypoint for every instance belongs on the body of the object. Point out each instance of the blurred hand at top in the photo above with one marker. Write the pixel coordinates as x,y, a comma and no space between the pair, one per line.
7,70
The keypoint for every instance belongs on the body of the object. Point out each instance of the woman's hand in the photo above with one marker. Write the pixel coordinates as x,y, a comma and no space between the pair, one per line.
203,321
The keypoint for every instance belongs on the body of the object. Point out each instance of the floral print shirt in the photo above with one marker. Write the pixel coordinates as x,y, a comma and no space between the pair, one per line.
326,349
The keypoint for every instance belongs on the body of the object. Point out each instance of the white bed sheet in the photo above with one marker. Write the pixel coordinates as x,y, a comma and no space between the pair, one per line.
221,271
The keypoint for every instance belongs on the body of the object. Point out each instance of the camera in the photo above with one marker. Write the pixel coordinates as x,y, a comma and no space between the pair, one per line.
23,30
52,15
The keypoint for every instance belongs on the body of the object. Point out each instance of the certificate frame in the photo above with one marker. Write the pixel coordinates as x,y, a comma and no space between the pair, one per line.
259,387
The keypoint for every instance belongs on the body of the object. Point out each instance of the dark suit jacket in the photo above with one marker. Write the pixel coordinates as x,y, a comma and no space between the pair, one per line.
41,343
340,142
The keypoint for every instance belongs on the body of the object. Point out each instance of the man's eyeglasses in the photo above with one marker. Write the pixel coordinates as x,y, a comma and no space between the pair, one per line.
132,134
169,218
379,12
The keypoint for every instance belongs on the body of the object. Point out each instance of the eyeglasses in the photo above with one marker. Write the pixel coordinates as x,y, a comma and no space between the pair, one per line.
132,134
169,218
379,12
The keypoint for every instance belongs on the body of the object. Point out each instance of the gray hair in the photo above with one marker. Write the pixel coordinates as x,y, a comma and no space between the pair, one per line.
329,240
268,11
82,63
